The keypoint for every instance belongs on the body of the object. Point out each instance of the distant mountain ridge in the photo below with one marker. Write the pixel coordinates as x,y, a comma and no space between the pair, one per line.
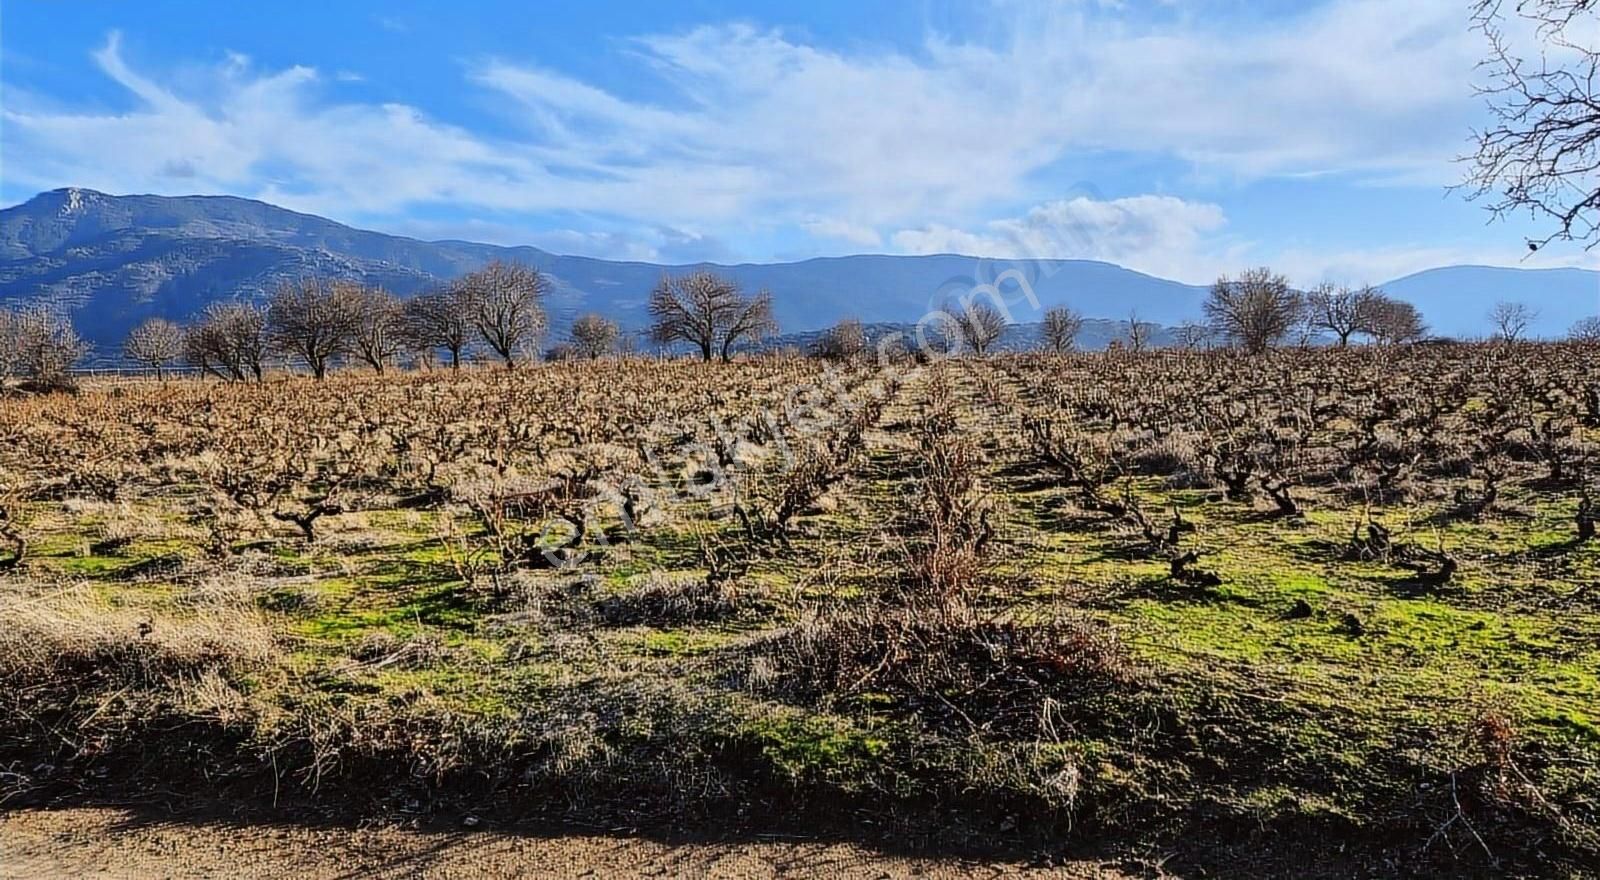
113,261
1456,299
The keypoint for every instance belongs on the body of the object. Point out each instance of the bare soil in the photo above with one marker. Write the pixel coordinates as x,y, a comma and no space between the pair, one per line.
90,842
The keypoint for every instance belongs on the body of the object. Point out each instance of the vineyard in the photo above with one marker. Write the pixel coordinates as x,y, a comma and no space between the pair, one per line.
1327,610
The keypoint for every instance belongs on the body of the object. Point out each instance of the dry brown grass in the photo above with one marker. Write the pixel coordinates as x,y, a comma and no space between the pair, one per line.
63,634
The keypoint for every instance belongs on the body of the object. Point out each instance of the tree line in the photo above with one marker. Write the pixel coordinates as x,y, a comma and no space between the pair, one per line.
1254,312
1259,309
499,310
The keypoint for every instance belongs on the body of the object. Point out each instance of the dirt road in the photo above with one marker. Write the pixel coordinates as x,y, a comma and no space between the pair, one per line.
106,842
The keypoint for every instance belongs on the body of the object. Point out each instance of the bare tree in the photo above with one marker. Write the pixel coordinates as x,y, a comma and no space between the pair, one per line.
229,341
845,341
1060,328
1191,335
1393,322
244,331
504,304
438,319
380,326
1585,330
1342,311
980,326
691,309
1139,333
314,321
1511,319
709,313
201,349
38,345
1256,311
752,322
155,343
594,336
1541,153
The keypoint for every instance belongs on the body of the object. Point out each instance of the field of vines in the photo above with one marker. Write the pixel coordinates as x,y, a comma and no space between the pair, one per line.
1313,612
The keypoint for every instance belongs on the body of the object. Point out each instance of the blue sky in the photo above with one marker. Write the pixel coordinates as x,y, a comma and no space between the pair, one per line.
1179,137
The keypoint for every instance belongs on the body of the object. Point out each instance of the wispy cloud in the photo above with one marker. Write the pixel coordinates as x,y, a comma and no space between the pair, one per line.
1161,235
913,149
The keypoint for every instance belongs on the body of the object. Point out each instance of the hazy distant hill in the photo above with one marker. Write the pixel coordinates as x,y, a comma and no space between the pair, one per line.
115,260
1456,298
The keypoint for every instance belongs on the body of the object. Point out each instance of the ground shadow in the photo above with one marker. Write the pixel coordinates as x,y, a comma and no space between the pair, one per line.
1205,839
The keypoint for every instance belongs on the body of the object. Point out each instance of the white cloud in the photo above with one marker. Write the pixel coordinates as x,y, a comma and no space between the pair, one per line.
1159,235
759,129
1188,241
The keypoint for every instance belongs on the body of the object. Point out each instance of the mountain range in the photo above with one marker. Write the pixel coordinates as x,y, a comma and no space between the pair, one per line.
113,261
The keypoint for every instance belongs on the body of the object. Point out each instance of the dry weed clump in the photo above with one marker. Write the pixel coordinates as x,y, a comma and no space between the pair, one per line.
973,676
211,697
235,584
663,599
631,745
68,639
949,532
322,739
1174,456
1491,802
